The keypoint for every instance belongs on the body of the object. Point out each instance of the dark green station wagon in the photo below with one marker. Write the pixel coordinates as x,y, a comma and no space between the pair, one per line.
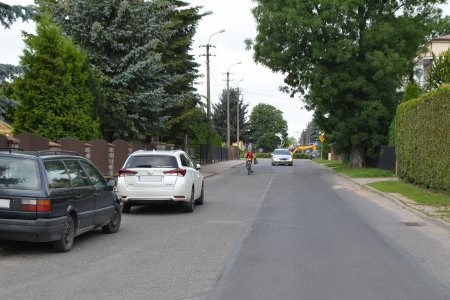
54,196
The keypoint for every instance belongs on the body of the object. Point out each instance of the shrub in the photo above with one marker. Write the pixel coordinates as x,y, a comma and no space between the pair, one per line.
423,140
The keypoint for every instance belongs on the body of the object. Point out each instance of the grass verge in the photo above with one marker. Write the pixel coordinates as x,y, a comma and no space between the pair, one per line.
430,203
354,172
419,195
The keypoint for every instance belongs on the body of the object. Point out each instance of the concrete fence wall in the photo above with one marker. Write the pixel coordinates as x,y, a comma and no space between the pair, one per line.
107,157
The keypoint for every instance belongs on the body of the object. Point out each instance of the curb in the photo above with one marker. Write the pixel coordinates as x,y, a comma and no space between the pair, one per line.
397,201
207,175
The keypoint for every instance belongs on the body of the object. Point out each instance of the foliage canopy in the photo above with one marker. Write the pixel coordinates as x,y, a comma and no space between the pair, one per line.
266,123
347,58
440,70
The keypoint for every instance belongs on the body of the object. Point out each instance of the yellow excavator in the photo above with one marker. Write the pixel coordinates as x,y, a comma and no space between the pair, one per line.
304,149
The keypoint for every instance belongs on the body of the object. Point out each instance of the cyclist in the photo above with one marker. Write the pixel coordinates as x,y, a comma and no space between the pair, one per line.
250,156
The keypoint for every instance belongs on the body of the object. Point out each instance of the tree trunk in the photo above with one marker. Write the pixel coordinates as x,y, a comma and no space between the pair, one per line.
357,156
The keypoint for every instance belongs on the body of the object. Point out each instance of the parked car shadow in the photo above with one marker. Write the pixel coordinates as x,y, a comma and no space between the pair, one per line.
25,249
157,209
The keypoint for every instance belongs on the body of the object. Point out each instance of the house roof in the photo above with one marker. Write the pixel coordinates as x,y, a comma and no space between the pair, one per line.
445,37
5,128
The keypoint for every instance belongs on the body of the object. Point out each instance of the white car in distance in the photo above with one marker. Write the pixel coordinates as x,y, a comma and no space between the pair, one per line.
162,176
282,157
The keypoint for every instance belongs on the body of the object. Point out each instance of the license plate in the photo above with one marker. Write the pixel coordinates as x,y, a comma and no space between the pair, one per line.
150,178
4,203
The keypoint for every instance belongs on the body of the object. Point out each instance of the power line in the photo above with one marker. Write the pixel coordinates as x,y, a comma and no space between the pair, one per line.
269,96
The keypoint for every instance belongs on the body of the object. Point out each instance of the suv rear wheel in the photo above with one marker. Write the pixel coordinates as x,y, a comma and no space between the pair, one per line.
65,243
190,205
126,208
201,200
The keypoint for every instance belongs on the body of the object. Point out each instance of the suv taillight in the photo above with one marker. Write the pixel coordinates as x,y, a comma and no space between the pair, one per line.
37,205
178,172
126,172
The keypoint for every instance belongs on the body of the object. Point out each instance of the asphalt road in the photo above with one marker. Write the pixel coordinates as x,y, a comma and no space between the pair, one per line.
298,232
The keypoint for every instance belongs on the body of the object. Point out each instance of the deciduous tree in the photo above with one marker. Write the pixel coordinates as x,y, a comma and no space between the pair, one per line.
347,58
440,70
266,122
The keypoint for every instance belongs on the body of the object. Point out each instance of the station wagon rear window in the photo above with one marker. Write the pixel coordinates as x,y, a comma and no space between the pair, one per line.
152,161
19,173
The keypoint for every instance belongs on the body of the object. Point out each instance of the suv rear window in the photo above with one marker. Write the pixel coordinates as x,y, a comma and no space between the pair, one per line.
19,173
151,161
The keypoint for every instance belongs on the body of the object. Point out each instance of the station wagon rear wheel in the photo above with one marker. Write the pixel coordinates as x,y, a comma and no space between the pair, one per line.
114,223
65,243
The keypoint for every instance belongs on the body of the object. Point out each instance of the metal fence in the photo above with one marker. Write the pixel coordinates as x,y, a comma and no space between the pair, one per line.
209,154
387,159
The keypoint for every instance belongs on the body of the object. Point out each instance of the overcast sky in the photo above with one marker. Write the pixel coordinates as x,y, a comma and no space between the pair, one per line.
259,84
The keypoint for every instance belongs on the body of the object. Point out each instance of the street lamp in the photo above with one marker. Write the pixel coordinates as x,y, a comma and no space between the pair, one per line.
208,91
237,115
228,103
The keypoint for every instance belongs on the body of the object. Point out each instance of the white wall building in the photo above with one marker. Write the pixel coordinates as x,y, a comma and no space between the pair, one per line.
436,46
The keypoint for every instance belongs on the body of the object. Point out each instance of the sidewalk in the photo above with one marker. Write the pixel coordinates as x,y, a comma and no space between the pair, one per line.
219,167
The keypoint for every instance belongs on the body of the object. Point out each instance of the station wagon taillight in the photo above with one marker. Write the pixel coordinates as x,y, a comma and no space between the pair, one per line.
126,172
177,172
37,205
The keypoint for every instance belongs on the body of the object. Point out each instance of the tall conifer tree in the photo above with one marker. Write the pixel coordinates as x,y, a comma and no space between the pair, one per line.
122,39
181,63
55,99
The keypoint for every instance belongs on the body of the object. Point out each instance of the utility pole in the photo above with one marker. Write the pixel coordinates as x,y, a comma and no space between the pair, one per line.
237,115
228,103
208,92
228,108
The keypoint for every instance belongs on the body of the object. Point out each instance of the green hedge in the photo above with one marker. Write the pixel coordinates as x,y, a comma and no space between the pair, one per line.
423,140
302,155
263,155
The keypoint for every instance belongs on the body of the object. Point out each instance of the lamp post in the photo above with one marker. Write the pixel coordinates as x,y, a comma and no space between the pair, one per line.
228,103
237,115
208,91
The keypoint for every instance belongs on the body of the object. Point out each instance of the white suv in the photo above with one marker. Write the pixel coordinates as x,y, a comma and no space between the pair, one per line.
160,177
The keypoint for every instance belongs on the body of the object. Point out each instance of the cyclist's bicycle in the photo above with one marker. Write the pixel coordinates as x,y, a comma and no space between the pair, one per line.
248,164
